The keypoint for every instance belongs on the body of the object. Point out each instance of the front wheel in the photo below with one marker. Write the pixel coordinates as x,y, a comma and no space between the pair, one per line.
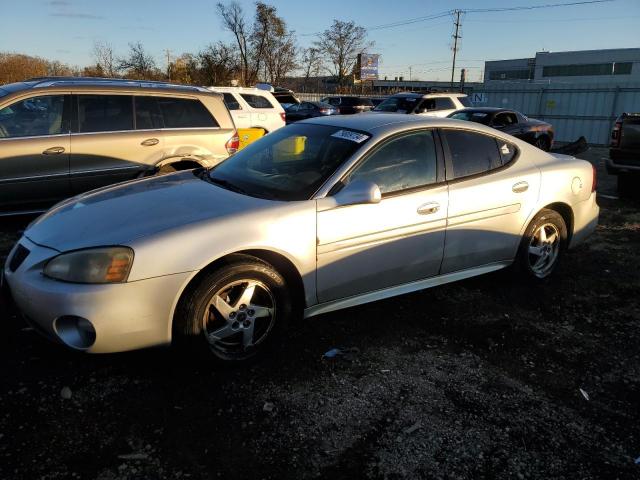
542,245
238,310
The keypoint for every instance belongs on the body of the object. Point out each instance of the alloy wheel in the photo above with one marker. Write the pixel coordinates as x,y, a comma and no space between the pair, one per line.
238,318
544,248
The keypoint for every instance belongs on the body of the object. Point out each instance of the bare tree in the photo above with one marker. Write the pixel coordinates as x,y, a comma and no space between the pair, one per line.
341,43
104,58
312,63
234,21
219,63
17,67
139,64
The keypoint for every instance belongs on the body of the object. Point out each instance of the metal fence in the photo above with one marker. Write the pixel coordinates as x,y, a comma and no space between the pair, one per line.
575,110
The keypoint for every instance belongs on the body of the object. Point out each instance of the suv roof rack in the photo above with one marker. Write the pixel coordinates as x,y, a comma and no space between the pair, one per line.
49,81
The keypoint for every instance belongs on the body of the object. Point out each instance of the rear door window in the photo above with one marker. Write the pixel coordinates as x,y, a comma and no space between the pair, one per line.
471,153
185,113
37,116
105,113
256,101
148,113
465,101
444,103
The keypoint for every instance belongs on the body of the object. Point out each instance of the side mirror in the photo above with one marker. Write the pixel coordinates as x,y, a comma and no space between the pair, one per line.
358,192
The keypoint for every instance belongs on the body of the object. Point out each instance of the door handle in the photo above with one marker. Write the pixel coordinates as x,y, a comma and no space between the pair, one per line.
428,208
149,142
53,151
520,187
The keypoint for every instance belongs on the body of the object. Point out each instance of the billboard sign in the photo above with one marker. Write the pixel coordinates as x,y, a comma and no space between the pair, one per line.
368,66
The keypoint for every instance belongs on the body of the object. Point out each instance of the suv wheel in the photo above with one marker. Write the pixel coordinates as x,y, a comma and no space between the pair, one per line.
238,310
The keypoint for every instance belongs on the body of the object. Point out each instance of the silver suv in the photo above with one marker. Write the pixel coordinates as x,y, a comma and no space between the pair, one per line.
63,136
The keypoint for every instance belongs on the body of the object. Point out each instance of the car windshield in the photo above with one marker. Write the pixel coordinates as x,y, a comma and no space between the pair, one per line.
290,163
398,105
471,116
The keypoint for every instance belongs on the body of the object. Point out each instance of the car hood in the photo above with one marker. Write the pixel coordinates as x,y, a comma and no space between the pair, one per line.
118,214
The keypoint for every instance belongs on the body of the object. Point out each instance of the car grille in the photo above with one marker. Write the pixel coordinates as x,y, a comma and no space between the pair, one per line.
18,257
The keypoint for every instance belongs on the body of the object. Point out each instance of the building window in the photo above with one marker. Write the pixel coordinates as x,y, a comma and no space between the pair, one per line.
521,74
623,68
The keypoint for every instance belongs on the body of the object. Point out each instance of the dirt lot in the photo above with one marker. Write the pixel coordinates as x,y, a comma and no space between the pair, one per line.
479,379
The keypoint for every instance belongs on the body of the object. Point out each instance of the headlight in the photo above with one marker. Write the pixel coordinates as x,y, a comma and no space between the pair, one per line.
94,265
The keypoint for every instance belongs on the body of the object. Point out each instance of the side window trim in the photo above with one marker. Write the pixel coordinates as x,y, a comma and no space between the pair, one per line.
440,164
449,163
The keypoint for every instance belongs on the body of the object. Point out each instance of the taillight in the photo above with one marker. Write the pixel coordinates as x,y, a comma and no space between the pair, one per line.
594,181
233,144
615,134
283,116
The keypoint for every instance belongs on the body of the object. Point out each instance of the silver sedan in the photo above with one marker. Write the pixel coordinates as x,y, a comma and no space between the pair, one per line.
321,215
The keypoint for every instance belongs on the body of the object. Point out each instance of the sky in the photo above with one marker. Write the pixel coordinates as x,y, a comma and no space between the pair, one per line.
66,30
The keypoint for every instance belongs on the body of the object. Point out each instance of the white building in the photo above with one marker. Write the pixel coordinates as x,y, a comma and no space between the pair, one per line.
613,67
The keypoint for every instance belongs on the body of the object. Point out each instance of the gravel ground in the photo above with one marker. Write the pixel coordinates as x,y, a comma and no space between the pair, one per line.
479,379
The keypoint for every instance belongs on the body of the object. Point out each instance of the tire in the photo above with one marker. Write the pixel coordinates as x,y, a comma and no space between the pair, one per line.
543,143
537,256
165,169
236,312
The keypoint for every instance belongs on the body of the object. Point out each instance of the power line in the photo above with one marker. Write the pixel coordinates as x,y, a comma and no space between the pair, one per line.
534,7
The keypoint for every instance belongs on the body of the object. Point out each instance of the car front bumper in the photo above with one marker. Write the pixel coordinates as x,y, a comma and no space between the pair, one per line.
124,316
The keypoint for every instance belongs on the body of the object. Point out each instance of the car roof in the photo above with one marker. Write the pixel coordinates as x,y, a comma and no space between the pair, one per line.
253,90
428,94
370,122
485,109
97,82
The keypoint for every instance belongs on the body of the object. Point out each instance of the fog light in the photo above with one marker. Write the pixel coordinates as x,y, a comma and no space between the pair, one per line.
76,332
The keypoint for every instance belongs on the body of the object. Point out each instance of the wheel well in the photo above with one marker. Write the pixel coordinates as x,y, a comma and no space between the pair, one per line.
182,164
567,215
281,263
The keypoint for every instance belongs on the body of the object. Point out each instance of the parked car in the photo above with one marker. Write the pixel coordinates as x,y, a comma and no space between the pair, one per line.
64,136
348,105
252,108
304,110
535,132
285,96
427,104
624,152
324,214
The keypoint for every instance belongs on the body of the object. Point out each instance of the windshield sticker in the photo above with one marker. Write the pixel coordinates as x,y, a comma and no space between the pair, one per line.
505,149
349,135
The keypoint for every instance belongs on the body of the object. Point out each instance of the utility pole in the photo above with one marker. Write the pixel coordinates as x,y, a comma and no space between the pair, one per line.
455,43
410,72
168,52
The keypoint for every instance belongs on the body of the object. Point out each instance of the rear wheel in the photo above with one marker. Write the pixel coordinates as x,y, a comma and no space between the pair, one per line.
542,245
238,310
543,143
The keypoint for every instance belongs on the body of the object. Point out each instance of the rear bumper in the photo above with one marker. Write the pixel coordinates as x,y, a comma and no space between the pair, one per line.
585,220
623,161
